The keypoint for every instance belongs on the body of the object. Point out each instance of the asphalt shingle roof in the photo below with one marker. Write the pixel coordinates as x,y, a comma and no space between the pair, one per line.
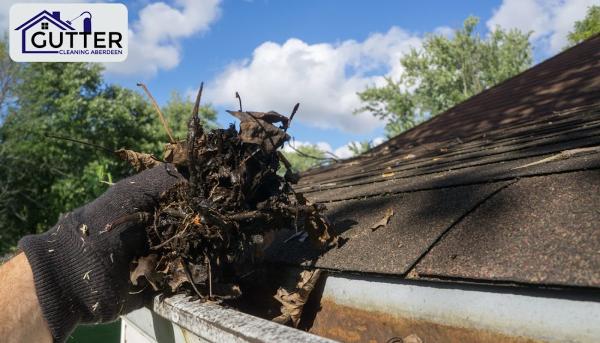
504,187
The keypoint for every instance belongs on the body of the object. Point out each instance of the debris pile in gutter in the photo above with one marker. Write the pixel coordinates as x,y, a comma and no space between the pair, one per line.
210,231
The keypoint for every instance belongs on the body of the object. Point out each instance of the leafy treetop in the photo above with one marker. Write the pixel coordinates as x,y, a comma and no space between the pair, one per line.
444,72
43,177
585,28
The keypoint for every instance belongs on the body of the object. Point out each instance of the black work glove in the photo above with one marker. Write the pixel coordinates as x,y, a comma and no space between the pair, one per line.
81,265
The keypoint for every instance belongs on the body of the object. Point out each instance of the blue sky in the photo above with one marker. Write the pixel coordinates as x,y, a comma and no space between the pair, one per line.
318,53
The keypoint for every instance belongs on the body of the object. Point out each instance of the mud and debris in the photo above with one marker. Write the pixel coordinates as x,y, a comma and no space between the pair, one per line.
211,230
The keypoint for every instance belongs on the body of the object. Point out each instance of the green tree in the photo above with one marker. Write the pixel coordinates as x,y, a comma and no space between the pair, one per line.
587,27
306,157
446,71
358,148
177,113
42,177
8,76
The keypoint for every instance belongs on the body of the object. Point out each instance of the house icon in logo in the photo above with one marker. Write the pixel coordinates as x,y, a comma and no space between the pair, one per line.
41,23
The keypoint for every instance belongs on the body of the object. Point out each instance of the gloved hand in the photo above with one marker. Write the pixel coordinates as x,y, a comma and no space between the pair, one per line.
81,265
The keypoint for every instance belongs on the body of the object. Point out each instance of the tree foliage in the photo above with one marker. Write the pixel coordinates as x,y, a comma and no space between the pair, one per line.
177,112
42,177
446,71
358,148
306,157
8,76
587,27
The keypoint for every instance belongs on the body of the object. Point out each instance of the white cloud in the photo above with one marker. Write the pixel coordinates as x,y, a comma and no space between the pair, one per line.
550,21
154,39
341,152
378,140
345,152
445,31
324,78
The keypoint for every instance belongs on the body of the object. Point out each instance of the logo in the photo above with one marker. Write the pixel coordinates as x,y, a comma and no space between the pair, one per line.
68,32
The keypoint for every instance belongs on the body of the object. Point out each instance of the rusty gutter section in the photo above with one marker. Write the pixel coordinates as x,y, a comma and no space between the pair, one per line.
380,310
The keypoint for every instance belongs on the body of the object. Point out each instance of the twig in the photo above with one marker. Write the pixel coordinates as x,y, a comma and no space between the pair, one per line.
292,115
136,218
315,157
186,270
160,115
209,279
237,95
333,156
561,156
284,160
99,147
170,239
157,159
197,103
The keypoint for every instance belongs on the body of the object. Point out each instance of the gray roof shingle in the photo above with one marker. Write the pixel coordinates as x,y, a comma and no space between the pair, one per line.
503,187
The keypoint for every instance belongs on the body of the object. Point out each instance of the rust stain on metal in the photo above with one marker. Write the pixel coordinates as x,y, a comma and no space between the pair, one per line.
348,324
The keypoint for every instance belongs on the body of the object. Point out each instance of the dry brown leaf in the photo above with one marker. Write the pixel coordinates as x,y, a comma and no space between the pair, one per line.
146,267
262,133
319,230
384,221
138,160
412,338
178,275
258,128
176,153
271,117
293,302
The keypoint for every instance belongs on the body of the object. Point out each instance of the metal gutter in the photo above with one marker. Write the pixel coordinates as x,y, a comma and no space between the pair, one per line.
213,323
352,308
364,309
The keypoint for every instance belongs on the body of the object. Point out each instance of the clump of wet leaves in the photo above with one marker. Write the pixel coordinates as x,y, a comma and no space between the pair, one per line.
212,230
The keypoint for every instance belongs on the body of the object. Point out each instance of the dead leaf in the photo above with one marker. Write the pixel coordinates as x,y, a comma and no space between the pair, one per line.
412,338
319,229
146,267
176,153
178,276
293,302
262,133
138,160
389,174
384,221
271,117
258,128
